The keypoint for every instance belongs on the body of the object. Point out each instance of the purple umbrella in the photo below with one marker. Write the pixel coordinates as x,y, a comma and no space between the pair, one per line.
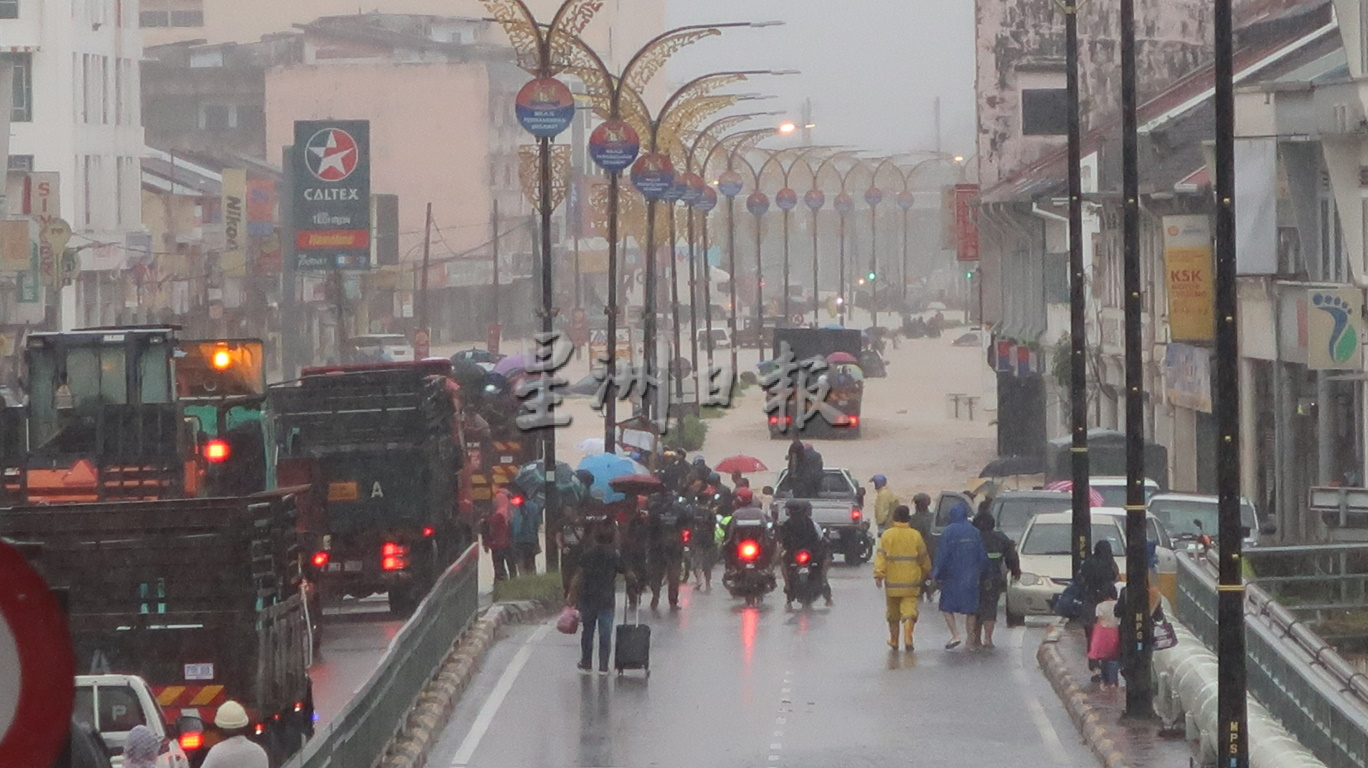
510,364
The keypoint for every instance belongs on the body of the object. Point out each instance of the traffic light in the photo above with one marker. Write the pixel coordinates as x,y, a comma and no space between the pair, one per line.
873,276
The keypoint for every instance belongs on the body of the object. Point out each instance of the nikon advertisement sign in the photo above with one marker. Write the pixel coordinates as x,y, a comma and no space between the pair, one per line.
332,199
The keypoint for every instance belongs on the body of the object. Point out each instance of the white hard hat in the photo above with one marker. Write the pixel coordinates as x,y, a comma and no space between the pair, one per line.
231,716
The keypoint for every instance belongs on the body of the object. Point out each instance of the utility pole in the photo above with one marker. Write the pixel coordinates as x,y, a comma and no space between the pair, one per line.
1231,714
494,257
289,272
1078,329
422,331
807,121
938,123
1137,629
551,492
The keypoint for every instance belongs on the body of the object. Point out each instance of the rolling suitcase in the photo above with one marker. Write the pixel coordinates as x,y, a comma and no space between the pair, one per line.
633,644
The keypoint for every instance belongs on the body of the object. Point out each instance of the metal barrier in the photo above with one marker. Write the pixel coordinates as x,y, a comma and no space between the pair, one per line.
357,737
1303,682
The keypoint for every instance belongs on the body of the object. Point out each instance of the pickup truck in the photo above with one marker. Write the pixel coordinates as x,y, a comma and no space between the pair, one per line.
838,509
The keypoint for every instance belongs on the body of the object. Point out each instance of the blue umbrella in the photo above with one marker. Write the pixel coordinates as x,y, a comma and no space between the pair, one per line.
606,467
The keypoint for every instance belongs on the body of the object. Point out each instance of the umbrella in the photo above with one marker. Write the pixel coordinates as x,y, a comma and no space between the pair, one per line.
606,467
532,480
743,464
510,364
590,445
637,485
1013,465
841,358
1094,496
476,356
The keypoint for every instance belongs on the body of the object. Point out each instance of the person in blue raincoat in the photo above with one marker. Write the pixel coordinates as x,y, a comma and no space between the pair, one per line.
526,527
960,562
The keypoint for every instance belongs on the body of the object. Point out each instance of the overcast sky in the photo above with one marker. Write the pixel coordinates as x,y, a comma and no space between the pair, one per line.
872,68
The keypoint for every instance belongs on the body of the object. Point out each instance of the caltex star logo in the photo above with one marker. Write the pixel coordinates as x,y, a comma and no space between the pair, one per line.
332,154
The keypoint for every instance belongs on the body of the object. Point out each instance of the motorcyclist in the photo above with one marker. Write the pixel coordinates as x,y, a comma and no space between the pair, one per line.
666,522
799,531
722,495
633,534
748,520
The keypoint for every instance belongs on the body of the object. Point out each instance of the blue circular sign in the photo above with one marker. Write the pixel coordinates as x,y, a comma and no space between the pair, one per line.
707,200
815,199
874,196
906,200
845,203
786,199
653,175
676,191
545,107
693,188
614,146
730,184
758,204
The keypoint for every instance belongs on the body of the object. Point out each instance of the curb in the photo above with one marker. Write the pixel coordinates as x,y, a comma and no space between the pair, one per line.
431,712
1076,701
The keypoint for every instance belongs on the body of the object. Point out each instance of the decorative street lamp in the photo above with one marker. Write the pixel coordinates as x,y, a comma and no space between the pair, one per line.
787,199
815,199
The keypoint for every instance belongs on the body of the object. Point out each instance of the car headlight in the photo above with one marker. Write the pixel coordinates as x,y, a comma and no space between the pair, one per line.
1029,580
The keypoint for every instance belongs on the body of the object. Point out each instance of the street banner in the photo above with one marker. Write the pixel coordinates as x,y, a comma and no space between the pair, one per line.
814,199
261,207
1188,266
43,202
730,184
966,222
707,200
874,196
545,107
906,200
14,245
233,190
614,146
653,175
1334,323
758,204
845,204
332,197
1187,377
786,199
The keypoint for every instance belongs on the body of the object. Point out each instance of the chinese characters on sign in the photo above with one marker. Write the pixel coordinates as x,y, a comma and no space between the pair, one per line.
538,390
802,386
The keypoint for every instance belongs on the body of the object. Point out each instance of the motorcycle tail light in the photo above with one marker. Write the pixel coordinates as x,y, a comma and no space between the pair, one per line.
320,559
748,550
855,515
803,557
686,535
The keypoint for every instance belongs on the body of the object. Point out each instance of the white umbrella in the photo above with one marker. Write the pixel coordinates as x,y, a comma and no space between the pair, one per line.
590,445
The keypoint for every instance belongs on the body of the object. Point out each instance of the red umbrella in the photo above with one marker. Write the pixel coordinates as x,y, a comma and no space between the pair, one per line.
637,485
743,464
1094,496
841,358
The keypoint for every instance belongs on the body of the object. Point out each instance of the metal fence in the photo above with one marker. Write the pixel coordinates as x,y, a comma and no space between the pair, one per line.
357,737
1301,680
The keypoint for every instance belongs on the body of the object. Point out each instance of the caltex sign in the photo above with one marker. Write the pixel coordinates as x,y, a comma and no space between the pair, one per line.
332,194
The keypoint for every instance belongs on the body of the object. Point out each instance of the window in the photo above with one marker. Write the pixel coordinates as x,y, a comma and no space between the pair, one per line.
21,163
9,9
1044,112
154,19
251,116
217,117
187,18
21,110
104,90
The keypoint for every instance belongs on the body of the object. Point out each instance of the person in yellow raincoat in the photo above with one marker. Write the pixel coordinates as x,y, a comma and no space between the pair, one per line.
885,501
901,564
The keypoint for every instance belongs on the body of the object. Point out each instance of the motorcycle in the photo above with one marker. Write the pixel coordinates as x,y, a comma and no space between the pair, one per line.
748,575
804,577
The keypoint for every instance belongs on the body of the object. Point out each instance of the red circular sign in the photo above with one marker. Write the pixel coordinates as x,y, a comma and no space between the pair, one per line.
37,666
332,154
758,204
844,203
906,200
815,199
874,196
786,199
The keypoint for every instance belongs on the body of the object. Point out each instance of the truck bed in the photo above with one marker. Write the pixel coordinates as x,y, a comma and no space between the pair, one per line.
199,594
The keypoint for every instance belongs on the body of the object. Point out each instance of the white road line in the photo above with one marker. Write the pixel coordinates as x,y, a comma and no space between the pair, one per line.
1048,734
485,718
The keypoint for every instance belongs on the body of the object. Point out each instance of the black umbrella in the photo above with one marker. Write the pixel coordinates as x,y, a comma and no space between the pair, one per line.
1005,466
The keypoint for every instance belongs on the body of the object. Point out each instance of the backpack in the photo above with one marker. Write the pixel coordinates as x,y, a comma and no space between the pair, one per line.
1069,604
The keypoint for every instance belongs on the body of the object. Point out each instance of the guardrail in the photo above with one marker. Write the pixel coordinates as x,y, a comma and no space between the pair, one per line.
1302,681
357,737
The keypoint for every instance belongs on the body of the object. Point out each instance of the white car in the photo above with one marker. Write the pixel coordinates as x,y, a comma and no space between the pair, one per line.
721,337
1047,560
1113,489
382,347
1188,517
114,704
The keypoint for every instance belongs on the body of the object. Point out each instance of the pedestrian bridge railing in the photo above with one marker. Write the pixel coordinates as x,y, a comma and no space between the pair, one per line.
358,736
1318,696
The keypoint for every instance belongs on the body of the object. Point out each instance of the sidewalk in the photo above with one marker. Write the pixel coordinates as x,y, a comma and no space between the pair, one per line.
1097,713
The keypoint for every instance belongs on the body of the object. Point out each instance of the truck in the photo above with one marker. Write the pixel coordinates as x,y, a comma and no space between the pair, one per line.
838,508
381,448
202,598
841,418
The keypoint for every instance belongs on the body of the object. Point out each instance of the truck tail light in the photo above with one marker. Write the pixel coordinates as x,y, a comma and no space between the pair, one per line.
191,741
217,451
855,515
428,531
393,557
320,559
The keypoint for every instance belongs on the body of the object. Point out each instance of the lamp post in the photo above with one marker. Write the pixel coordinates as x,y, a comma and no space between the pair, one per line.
907,199
845,205
874,196
759,204
545,108
815,199
786,199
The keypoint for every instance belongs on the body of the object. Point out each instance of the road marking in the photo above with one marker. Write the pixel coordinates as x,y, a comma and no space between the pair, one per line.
496,698
1048,734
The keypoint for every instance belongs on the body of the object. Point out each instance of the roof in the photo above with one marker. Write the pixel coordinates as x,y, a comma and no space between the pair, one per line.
1188,101
179,176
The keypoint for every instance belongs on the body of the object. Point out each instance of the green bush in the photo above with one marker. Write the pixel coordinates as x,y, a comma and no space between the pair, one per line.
687,435
540,587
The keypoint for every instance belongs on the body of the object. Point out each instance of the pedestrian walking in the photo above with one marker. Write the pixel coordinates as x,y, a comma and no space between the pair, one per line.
635,537
901,564
236,750
922,520
526,534
960,564
1104,647
703,547
666,523
497,535
592,593
141,748
884,502
1004,562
